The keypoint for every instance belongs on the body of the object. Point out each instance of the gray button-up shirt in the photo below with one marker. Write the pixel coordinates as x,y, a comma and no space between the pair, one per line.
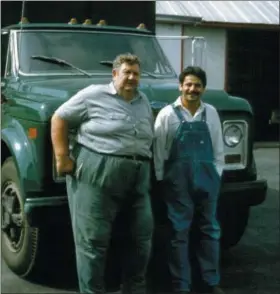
106,123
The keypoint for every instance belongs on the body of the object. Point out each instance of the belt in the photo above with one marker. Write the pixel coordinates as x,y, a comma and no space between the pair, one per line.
130,157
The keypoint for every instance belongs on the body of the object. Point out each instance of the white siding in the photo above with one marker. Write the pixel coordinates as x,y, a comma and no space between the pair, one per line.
171,48
214,56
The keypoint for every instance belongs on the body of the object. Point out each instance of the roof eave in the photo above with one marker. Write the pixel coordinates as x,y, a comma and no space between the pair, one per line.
178,19
229,25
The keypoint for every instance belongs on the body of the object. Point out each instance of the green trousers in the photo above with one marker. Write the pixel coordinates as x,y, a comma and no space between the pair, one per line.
98,189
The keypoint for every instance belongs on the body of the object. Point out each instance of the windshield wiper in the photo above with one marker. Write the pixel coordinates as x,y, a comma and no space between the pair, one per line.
110,63
59,62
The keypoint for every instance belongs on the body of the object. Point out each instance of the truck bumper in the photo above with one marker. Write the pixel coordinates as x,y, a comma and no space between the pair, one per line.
246,193
55,210
47,210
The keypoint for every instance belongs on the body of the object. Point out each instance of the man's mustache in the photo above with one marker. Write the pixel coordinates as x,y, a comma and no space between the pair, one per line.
193,93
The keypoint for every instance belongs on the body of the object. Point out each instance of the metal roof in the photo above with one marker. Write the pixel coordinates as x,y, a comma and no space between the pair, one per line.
245,12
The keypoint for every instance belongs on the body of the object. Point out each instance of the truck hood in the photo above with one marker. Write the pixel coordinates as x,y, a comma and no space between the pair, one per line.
45,96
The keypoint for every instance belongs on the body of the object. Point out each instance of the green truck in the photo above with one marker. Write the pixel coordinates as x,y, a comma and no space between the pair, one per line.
43,65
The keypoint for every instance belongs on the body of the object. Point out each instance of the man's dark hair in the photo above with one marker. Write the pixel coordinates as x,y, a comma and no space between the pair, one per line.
195,71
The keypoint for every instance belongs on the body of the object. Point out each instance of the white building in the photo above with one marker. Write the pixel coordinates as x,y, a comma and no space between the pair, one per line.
242,47
211,20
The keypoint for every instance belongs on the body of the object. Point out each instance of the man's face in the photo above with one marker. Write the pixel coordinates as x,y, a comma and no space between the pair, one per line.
191,88
126,77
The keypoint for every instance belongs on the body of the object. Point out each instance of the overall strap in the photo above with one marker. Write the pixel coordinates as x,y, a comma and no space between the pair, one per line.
178,113
203,115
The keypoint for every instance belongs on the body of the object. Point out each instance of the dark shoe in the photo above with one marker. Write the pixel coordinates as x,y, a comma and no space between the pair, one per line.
217,290
212,290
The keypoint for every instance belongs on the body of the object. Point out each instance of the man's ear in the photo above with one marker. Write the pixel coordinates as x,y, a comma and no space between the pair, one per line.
114,72
180,87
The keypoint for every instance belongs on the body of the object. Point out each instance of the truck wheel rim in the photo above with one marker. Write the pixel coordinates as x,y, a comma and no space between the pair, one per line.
12,217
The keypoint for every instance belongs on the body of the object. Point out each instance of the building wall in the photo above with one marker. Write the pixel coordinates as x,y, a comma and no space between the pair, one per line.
213,59
171,47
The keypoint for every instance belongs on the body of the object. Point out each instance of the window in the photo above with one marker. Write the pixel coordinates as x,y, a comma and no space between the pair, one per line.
86,50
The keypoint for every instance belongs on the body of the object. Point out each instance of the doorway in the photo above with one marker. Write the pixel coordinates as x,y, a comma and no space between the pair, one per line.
253,73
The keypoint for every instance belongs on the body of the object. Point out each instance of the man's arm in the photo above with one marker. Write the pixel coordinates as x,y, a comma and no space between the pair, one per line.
73,112
218,144
59,136
159,145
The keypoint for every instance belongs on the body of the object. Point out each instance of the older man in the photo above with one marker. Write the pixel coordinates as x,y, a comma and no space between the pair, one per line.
108,168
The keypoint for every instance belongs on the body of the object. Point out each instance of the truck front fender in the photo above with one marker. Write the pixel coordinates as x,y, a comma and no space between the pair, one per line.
22,149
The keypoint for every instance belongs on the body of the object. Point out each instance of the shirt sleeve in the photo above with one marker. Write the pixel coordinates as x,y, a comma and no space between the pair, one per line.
160,137
218,144
74,110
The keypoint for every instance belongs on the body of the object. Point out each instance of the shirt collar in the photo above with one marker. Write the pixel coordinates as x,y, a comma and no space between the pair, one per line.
178,103
113,91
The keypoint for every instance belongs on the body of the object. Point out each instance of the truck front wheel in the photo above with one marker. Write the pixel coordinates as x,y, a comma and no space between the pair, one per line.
19,240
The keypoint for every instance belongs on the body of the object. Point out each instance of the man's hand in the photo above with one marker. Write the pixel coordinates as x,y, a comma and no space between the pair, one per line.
64,165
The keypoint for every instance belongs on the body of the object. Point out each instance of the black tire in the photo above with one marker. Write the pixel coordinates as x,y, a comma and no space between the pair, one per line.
19,254
233,221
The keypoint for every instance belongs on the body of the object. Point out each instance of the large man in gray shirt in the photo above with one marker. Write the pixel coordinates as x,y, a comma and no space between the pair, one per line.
108,168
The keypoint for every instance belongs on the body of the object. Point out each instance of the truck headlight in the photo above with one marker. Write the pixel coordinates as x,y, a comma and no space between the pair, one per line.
233,135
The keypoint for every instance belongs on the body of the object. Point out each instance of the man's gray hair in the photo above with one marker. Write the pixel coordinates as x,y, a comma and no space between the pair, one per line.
126,58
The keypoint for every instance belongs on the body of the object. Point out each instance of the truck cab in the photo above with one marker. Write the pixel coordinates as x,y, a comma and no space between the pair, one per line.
43,65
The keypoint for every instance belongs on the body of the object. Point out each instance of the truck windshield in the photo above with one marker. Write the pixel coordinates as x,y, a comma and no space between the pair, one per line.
86,50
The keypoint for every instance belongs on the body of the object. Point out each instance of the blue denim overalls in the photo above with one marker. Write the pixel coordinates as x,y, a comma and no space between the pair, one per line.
192,183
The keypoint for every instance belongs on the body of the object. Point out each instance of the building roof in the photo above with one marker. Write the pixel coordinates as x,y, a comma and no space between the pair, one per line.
243,12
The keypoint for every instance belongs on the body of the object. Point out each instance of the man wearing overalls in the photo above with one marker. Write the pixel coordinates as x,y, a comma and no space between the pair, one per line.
189,159
108,169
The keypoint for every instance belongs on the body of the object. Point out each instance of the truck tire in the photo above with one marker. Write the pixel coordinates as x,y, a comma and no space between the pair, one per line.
233,221
19,240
